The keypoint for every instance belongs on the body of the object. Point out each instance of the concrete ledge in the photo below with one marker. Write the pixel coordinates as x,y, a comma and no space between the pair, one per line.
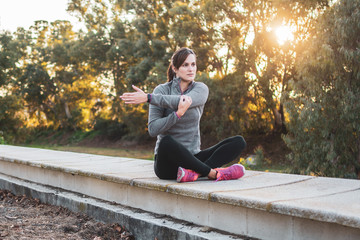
143,225
261,205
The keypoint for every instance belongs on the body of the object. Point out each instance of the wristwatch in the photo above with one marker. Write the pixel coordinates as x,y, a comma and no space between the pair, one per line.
149,97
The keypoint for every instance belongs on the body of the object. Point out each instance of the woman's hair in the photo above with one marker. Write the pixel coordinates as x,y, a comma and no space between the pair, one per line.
177,59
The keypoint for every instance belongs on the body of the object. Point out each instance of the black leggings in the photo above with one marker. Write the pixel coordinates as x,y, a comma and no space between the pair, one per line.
172,154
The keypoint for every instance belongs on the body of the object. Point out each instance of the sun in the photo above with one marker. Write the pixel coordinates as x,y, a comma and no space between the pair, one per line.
283,34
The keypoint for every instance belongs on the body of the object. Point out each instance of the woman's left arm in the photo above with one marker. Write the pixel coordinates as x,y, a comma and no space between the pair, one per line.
198,94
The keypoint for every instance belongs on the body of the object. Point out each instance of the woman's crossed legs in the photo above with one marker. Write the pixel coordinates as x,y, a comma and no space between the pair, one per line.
172,155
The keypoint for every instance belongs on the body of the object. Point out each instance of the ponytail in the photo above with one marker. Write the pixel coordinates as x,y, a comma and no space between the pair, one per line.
170,73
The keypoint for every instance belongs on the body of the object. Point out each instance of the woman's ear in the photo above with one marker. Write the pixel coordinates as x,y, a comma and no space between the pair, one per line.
174,69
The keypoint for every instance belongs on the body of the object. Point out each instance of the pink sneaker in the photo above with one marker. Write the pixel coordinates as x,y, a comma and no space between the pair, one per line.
235,171
186,175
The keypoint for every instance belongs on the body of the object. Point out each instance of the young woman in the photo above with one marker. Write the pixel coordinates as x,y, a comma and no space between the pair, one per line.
174,117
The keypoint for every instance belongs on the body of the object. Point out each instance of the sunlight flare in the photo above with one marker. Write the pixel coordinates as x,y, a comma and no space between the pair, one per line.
284,34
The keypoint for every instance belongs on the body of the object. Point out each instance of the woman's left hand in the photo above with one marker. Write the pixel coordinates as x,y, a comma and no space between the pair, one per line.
135,97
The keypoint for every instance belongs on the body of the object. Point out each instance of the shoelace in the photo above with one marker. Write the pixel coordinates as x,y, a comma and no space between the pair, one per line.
192,174
227,174
224,176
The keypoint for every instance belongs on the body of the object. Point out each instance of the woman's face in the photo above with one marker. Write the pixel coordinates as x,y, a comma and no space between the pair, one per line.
187,71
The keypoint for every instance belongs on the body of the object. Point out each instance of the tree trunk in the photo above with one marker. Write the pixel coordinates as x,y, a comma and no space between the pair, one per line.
67,110
283,126
69,116
358,159
279,119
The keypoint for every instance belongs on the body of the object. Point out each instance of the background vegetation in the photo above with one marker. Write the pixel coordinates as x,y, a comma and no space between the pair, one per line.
273,67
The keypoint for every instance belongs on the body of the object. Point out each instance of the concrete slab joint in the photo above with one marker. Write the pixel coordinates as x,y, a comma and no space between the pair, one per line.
259,205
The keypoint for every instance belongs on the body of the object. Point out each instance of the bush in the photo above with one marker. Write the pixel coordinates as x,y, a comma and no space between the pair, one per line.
10,121
2,140
112,129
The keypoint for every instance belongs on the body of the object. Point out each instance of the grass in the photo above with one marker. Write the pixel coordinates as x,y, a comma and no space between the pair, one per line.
116,152
265,165
270,168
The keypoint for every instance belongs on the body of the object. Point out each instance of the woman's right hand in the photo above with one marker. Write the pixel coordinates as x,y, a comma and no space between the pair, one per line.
137,97
184,104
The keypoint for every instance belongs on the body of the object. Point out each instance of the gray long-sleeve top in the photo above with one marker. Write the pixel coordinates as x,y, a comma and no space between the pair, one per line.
164,121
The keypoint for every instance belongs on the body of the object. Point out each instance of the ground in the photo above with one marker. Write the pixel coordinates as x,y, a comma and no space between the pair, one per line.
26,218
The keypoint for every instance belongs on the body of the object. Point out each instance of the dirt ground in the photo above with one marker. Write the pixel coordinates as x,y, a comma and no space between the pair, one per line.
26,218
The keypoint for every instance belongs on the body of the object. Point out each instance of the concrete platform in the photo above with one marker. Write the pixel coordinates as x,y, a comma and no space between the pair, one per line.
259,205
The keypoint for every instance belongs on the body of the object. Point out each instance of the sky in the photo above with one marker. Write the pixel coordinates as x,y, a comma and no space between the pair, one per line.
23,13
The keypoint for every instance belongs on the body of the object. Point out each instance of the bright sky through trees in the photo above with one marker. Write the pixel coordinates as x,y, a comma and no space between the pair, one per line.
23,13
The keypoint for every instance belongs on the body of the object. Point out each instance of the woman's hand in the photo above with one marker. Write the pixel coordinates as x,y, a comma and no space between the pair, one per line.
184,104
135,97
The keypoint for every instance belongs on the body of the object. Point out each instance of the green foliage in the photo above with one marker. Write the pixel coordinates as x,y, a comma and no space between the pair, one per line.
324,127
35,86
55,86
10,53
226,111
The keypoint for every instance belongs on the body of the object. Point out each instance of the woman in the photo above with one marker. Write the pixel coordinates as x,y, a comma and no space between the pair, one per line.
174,117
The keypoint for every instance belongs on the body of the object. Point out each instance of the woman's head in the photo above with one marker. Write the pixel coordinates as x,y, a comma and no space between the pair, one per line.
183,64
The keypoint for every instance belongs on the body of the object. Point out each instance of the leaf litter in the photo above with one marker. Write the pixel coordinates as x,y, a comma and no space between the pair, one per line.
22,217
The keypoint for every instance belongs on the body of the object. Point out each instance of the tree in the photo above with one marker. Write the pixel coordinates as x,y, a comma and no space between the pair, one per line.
55,84
233,40
324,127
11,52
252,44
141,39
8,58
